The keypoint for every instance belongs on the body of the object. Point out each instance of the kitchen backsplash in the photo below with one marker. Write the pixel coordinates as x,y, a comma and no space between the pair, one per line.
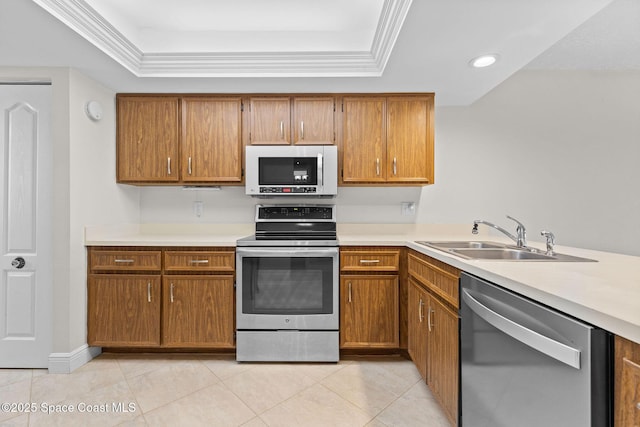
230,205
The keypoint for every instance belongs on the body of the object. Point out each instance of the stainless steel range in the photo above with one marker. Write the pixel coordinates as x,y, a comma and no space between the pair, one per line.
287,286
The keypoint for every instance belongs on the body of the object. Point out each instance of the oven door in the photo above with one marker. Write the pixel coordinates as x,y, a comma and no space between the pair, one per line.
287,288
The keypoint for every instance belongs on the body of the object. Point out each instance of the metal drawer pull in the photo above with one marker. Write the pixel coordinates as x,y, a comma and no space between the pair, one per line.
123,261
378,166
420,312
171,293
638,406
148,291
369,261
395,166
199,261
301,129
349,291
281,129
168,165
189,165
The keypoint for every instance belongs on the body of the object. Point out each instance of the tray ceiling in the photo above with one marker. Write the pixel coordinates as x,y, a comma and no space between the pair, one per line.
206,38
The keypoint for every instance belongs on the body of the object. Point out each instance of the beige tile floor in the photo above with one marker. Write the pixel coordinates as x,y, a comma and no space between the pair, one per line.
205,390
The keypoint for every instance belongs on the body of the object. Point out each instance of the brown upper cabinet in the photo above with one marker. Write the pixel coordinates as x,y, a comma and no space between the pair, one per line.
282,120
212,140
148,137
153,131
387,139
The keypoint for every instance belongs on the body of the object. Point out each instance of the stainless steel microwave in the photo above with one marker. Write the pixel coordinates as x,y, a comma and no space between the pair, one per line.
292,170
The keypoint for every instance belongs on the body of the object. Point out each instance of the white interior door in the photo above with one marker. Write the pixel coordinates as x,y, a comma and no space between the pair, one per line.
26,257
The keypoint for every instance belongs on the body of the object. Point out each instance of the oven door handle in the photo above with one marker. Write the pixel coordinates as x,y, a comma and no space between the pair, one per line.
297,252
552,348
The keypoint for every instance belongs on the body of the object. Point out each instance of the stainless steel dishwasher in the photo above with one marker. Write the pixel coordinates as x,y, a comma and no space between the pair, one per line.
523,364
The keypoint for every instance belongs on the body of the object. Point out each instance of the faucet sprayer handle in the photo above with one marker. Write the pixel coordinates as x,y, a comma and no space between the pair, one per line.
551,240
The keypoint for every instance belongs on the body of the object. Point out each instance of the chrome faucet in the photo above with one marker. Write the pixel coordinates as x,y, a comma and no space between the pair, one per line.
521,233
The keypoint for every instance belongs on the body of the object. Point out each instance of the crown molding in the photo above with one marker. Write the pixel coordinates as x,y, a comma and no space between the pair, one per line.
88,23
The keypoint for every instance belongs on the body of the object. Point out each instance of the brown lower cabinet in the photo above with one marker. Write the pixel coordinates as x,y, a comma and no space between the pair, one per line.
161,297
627,383
124,310
369,298
197,311
433,332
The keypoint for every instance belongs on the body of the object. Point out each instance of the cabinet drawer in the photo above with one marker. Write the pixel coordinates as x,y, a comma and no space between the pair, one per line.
438,277
199,261
369,260
114,260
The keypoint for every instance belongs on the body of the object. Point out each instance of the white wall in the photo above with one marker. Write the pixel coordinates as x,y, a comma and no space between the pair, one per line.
557,150
94,198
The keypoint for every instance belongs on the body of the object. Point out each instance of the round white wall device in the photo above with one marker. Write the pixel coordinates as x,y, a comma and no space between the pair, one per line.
93,109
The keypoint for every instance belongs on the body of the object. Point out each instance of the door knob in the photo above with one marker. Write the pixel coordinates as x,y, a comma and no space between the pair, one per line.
18,263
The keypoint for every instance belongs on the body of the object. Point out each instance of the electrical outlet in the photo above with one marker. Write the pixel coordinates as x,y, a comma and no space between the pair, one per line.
198,207
408,208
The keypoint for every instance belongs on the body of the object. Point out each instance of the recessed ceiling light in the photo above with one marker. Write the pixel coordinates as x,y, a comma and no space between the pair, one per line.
484,61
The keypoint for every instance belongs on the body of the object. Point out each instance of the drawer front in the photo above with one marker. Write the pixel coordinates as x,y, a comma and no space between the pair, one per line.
124,260
366,260
440,278
199,261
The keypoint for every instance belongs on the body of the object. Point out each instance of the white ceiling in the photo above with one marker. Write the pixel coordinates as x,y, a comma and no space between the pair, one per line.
318,45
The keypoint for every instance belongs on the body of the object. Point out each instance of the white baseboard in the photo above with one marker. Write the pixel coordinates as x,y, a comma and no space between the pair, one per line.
65,363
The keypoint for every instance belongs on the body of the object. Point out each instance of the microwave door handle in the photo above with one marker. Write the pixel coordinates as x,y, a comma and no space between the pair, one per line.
320,171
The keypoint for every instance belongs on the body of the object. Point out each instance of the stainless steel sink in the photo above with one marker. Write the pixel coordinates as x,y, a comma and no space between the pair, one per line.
462,245
499,252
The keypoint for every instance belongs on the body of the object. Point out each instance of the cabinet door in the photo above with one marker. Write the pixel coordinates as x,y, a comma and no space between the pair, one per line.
198,311
369,311
147,144
417,325
270,120
212,140
627,383
363,140
123,310
409,139
442,373
313,120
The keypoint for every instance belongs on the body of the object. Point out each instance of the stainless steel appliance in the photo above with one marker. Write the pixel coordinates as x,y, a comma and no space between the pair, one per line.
287,286
292,170
524,364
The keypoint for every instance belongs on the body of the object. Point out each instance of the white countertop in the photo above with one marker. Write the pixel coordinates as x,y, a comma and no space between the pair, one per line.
605,293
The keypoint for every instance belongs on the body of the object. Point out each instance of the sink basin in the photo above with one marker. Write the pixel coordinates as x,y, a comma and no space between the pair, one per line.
501,254
494,251
462,245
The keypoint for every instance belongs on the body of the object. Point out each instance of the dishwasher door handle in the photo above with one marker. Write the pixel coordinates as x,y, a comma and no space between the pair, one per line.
552,348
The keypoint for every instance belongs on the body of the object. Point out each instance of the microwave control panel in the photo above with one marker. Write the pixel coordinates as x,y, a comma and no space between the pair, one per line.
287,190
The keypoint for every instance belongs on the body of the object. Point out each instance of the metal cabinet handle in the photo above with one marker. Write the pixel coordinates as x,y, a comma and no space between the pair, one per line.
199,261
281,129
369,261
552,348
420,311
429,321
148,291
171,293
349,291
189,166
168,165
378,166
123,261
301,129
320,170
395,166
